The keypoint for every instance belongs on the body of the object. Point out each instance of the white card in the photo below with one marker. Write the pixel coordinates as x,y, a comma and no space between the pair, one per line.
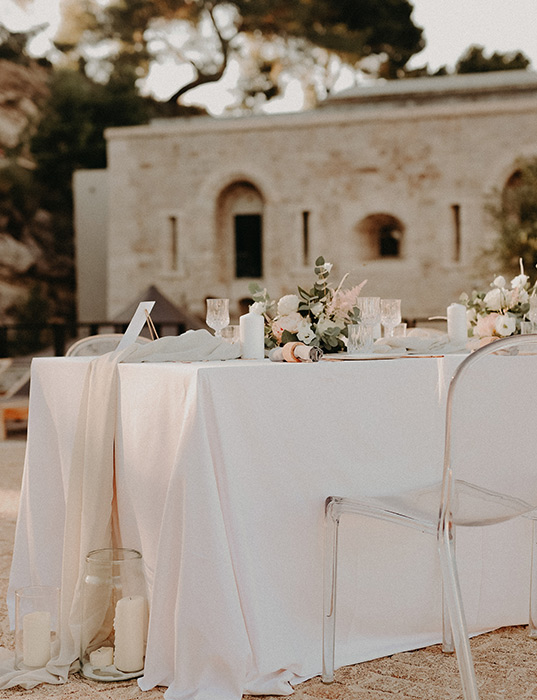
137,323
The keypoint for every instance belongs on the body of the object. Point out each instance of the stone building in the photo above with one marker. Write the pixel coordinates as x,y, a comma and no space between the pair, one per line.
388,182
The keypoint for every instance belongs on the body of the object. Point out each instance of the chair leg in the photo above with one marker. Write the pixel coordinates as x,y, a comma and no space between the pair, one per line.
447,633
331,526
532,627
458,623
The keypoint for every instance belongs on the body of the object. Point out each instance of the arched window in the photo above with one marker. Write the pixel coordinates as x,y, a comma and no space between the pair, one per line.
381,236
241,225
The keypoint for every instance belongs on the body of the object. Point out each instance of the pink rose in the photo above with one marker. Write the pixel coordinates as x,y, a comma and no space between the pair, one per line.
485,326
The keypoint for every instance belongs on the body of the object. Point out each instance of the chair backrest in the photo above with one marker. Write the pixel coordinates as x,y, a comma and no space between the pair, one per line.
491,433
100,344
13,377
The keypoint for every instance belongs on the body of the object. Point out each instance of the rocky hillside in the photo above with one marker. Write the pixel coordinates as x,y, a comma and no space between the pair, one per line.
26,236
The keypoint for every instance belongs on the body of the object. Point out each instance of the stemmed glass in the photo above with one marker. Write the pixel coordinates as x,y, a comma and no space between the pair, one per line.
369,317
390,315
532,313
217,315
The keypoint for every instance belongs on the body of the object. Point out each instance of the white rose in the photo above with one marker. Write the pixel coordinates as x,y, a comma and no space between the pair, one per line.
288,304
258,307
499,281
471,316
327,267
305,333
291,322
494,299
505,325
519,281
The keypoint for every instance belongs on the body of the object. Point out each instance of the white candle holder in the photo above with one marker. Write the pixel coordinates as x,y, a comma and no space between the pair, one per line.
114,615
37,625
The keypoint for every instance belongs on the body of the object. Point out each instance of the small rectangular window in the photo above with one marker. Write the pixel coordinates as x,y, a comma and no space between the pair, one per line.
305,237
248,246
456,214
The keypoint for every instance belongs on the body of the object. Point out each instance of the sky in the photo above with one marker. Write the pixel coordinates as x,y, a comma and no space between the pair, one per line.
450,27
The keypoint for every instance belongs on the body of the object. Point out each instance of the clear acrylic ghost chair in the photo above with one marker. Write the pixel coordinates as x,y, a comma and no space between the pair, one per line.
94,345
478,394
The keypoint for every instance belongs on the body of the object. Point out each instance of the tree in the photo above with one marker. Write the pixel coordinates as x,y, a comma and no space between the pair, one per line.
206,34
514,214
475,61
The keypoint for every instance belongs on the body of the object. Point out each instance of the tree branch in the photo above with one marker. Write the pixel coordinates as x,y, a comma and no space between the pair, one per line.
203,77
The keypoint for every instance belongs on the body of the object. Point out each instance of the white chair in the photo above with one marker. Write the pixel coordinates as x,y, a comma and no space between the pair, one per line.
490,421
100,344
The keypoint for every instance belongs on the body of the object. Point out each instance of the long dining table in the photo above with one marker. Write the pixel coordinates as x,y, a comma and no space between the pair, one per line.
222,470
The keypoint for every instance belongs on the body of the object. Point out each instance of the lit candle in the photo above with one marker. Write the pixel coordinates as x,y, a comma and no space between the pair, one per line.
252,331
129,625
456,322
36,639
104,656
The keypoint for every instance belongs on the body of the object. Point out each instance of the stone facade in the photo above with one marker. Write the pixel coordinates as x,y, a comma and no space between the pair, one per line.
388,183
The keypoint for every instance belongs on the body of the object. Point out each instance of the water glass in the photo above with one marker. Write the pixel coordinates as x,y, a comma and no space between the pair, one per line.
399,330
369,310
360,338
532,313
390,315
231,334
37,626
217,315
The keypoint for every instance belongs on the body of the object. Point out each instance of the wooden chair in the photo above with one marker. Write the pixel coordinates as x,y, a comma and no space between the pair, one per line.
13,407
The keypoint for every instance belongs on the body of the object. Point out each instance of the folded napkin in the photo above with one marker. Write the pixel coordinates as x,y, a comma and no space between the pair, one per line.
296,352
192,346
419,340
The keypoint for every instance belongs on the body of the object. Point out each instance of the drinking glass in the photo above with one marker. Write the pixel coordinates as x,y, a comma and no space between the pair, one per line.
360,338
390,315
37,615
369,316
532,313
231,334
217,315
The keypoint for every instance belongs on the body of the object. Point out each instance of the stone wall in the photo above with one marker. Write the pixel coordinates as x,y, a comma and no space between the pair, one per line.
428,167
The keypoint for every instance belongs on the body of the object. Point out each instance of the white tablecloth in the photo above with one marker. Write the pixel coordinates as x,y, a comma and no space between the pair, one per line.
223,469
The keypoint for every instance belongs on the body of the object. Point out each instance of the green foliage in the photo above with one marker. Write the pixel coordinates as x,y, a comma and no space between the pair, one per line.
135,32
70,136
35,312
475,61
514,214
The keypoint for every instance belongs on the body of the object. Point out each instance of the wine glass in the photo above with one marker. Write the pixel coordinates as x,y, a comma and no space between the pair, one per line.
217,315
390,315
532,313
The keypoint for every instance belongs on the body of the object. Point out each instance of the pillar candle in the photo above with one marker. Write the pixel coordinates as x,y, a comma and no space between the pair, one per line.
104,656
456,322
36,639
252,331
129,626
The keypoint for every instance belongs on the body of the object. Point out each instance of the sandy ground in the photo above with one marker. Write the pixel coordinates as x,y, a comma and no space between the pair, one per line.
506,660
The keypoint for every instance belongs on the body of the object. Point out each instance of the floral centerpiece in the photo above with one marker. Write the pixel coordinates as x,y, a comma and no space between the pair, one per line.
318,317
498,312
